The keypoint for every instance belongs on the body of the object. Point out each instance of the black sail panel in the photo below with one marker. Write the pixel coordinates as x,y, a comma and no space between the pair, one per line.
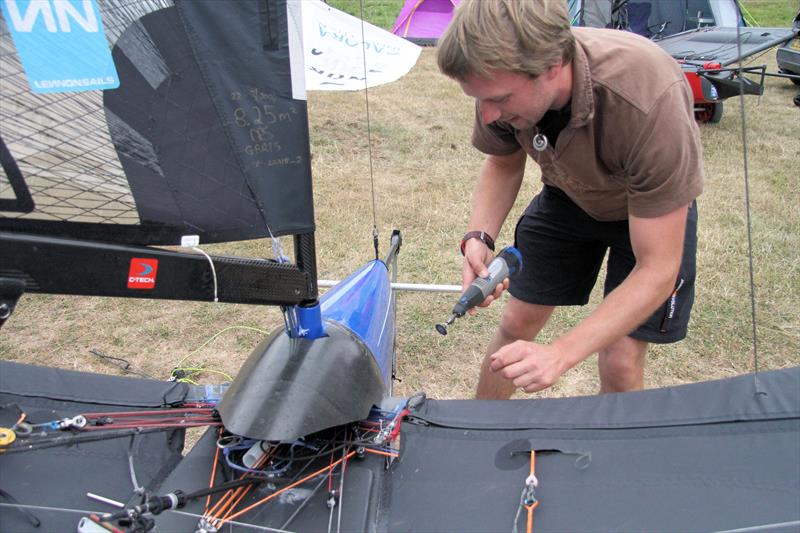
207,133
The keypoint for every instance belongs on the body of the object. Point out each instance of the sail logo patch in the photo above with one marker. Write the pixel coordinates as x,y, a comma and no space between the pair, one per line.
61,44
142,273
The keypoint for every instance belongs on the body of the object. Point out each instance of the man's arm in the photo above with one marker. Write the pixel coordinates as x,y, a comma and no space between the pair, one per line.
498,184
658,246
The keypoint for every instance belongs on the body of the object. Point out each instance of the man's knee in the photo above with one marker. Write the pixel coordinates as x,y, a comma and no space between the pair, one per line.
622,365
522,320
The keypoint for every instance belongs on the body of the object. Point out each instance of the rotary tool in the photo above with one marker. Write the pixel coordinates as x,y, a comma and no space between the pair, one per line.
505,265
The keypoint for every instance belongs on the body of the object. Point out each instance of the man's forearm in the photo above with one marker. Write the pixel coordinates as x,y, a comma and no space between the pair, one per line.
621,312
658,246
498,184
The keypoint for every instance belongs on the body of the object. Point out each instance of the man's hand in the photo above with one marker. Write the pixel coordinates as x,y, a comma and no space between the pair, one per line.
530,366
476,257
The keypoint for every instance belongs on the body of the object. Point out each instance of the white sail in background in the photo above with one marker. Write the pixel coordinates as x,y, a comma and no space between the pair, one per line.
336,52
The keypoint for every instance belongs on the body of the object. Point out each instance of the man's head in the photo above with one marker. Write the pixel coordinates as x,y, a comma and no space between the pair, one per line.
512,56
518,36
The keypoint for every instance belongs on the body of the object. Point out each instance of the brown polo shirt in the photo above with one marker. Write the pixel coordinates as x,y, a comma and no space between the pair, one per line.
631,145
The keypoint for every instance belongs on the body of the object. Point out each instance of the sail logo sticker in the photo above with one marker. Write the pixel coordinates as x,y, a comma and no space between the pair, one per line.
61,45
142,273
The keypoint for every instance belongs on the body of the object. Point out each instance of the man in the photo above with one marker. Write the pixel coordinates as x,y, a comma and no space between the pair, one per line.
608,117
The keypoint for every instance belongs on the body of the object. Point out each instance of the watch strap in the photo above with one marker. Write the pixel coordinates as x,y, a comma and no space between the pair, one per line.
482,236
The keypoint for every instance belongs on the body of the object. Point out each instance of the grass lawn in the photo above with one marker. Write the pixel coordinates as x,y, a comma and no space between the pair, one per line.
423,172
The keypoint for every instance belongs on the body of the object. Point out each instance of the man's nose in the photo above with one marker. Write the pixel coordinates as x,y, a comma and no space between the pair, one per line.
489,112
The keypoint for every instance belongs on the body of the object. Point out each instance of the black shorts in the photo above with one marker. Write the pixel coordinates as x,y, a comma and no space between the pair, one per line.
562,252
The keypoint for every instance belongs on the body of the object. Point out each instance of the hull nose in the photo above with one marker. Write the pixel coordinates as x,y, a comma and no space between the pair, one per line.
289,388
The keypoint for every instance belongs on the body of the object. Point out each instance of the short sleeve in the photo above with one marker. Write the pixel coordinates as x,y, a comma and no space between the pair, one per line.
665,161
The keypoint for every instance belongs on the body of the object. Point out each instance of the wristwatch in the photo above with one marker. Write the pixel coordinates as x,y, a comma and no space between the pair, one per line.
482,236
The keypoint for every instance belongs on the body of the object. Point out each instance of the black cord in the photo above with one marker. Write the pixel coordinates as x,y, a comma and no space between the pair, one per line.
223,487
124,364
30,516
68,440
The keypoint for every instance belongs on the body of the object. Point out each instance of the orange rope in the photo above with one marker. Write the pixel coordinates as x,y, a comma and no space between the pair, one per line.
380,452
234,496
223,503
288,487
238,499
213,473
258,464
229,500
533,506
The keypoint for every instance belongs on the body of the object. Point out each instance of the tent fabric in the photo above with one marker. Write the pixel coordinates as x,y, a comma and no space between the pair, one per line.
424,21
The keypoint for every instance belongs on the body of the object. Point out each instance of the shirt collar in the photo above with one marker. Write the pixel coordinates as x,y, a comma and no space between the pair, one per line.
582,97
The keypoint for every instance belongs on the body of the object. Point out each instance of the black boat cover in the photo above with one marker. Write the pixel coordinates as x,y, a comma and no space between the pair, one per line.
711,456
722,45
58,478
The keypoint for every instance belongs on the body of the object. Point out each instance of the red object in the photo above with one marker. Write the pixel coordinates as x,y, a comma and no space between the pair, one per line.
142,274
696,85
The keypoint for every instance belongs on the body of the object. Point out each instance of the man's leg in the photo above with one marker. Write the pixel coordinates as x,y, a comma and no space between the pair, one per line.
622,365
520,321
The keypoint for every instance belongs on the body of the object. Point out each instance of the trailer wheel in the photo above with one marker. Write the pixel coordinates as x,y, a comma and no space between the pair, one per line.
711,113
796,81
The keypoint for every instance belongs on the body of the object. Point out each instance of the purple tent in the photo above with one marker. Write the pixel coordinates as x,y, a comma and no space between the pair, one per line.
423,21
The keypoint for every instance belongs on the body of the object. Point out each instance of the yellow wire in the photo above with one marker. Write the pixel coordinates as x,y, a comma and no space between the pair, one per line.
217,335
200,370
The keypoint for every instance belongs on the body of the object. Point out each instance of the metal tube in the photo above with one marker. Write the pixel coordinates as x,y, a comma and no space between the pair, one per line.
420,287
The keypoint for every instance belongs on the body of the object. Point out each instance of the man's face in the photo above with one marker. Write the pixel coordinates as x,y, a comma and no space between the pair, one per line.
517,99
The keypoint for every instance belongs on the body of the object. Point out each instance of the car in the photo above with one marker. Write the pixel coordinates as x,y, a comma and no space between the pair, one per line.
788,55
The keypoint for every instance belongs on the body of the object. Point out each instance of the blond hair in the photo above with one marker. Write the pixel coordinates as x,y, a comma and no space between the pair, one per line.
521,36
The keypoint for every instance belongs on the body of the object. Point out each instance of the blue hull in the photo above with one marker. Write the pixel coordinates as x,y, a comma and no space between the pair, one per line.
363,304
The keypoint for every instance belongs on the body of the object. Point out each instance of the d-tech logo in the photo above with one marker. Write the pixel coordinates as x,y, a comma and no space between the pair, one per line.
142,274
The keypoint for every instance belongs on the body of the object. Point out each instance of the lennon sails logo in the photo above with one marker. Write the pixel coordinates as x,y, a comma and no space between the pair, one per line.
142,273
61,44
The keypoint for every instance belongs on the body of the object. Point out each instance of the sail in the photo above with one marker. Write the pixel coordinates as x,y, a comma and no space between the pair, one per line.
206,133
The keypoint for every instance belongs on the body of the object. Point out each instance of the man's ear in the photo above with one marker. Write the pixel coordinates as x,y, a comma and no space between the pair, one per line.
552,72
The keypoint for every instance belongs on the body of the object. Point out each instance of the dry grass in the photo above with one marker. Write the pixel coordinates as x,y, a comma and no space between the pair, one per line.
423,172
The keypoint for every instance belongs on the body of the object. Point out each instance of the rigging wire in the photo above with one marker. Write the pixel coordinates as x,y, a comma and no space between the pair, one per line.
747,211
341,490
284,489
369,135
303,504
213,270
87,512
